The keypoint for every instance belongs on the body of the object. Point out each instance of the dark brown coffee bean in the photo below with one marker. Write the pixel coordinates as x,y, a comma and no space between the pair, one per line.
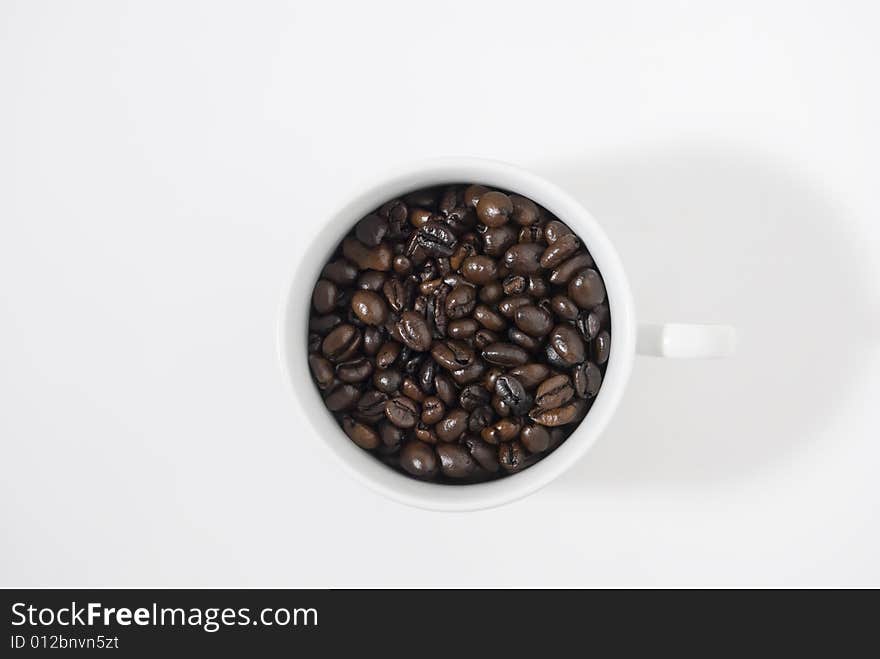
340,272
531,234
512,457
535,438
341,397
564,308
514,285
365,437
488,318
411,389
568,344
558,416
480,418
568,269
387,354
504,430
325,296
314,342
323,324
369,307
455,460
398,293
418,459
322,371
473,193
340,344
427,372
506,355
355,370
368,258
498,240
538,287
485,337
453,355
452,426
402,412
413,331
590,323
419,217
479,269
559,251
461,301
494,208
391,435
587,379
601,347
524,258
401,265
530,375
491,293
473,396
523,340
554,392
533,320
525,211
425,433
469,374
370,407
435,238
554,230
511,391
484,453
412,365
371,230
586,289
387,380
509,305
462,328
371,280
433,410
553,359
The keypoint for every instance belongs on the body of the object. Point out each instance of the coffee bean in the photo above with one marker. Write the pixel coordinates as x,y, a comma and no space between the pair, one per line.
511,391
369,307
586,289
426,375
504,430
480,418
341,397
505,354
553,359
455,460
371,280
452,426
387,380
314,342
411,389
368,258
322,371
402,412
564,308
473,396
538,287
601,347
568,269
531,234
533,320
425,433
418,459
523,340
494,208
535,438
511,457
498,240
435,238
453,355
530,375
433,410
525,211
554,230
479,269
560,250
461,301
462,328
413,331
340,272
558,416
514,284
390,435
484,337
568,344
360,434
473,193
524,258
587,379
340,344
355,370
371,406
491,293
509,305
324,296
483,453
554,392
387,354
323,324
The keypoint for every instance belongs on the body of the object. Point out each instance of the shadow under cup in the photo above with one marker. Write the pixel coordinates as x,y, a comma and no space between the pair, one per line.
293,337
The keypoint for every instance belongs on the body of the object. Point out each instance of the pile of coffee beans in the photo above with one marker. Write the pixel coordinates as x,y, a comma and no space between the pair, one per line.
459,333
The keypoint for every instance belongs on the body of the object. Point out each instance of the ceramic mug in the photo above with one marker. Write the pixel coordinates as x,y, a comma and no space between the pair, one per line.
628,337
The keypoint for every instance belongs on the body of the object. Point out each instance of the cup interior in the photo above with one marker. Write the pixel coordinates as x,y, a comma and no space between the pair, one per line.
293,335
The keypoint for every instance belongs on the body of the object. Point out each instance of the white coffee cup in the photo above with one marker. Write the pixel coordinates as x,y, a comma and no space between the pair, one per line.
628,337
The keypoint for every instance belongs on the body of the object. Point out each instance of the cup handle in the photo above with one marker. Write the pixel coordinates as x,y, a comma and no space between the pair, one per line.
682,341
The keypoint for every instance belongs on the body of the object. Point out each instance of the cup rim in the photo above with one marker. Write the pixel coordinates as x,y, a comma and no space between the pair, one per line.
292,334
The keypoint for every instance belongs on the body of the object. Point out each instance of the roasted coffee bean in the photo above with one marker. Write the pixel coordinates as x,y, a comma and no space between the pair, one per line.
601,347
473,396
371,406
562,249
452,426
514,285
531,234
504,430
391,435
511,391
322,371
387,354
368,258
363,436
564,308
533,320
341,397
568,344
567,269
505,354
494,208
325,296
371,230
473,193
453,355
479,269
425,433
587,379
524,258
410,388
427,372
369,307
371,280
484,337
509,305
480,418
491,293
553,359
462,328
558,416
387,380
511,457
418,459
436,239
455,460
469,374
500,406
433,410
445,388
523,340
401,265
498,240
314,342
355,370
342,343
530,375
491,377
340,272
402,412
461,301
525,211
554,392
413,331
554,230
412,365
323,324
488,318
538,287
397,293
484,453
586,289
535,438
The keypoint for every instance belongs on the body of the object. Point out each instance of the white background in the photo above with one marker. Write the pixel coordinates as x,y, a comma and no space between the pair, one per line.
164,164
